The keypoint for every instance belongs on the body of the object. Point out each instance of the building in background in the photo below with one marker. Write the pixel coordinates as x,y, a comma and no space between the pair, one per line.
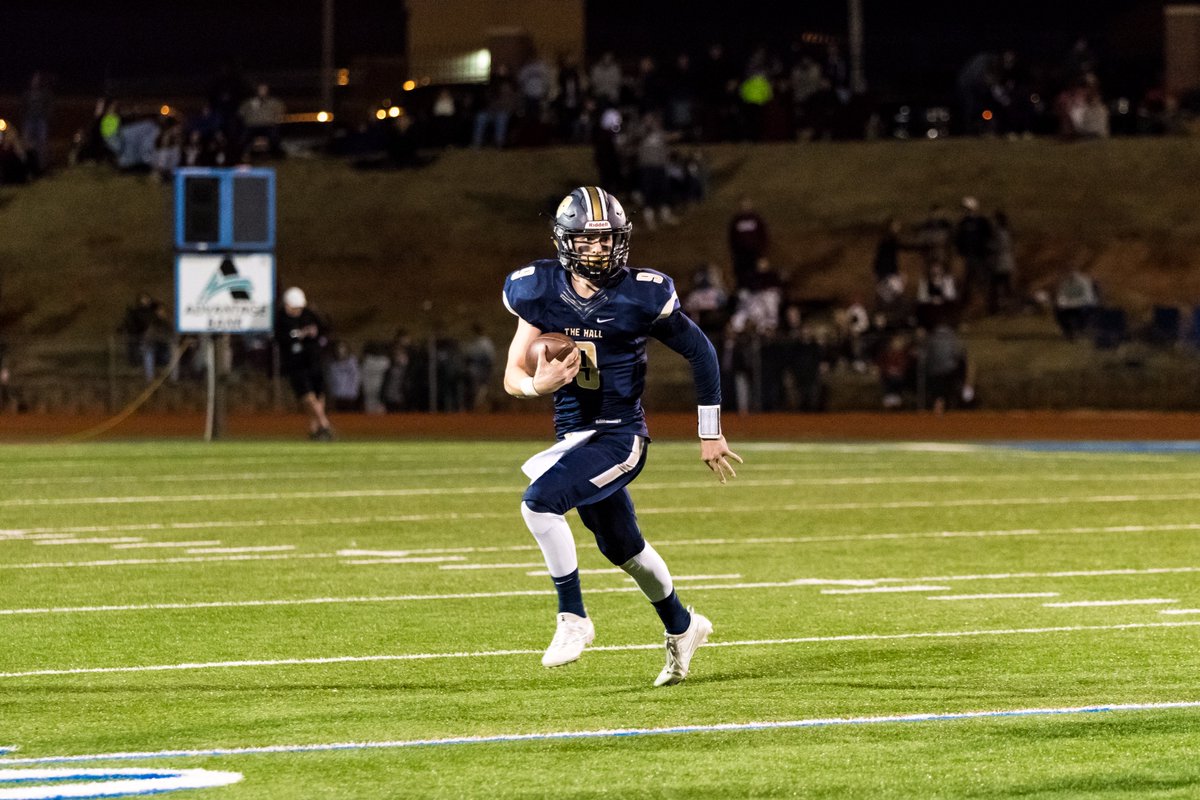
1181,47
458,41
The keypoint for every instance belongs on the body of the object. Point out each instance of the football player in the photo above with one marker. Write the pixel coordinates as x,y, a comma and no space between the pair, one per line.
590,294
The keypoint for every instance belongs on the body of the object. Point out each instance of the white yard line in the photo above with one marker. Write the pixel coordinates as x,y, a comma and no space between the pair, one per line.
403,560
391,657
223,477
284,456
491,566
888,589
699,727
19,534
221,497
352,552
978,502
542,573
341,494
89,540
728,577
274,548
253,523
281,456
145,562
306,601
937,579
165,545
1180,611
413,472
1077,573
1149,601
1012,596
799,582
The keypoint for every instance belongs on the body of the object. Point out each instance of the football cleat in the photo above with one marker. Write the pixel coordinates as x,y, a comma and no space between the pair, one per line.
680,649
570,637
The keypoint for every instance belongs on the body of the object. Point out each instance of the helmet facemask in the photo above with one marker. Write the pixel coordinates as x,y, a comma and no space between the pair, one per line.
599,266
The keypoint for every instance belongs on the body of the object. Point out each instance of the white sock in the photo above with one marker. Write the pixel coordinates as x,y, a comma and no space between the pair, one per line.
650,573
554,537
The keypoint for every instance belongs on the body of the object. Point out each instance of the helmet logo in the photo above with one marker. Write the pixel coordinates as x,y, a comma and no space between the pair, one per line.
598,225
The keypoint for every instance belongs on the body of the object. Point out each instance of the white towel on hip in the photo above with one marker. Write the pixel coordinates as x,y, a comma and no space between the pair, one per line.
538,464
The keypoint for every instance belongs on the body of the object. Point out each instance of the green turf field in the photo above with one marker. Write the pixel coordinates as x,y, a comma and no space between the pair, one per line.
273,596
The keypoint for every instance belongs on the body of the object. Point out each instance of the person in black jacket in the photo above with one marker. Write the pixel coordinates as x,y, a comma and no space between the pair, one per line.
973,238
300,335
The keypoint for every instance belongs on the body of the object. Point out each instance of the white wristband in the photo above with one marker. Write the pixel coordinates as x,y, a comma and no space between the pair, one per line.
710,421
527,387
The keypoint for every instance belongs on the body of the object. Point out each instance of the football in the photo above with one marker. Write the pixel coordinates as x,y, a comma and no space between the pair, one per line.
556,345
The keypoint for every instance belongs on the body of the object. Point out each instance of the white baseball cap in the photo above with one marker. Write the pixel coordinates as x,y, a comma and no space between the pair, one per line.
295,298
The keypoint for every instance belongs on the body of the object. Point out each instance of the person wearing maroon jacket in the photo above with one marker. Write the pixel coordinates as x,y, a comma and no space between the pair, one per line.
748,240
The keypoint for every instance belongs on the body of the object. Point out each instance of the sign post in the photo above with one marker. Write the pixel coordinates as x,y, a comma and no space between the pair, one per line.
224,266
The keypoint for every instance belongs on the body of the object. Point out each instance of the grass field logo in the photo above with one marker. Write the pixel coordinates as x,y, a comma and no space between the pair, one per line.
44,784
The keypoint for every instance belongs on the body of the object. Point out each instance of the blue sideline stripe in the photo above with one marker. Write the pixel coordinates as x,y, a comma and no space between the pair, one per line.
90,777
1153,447
732,727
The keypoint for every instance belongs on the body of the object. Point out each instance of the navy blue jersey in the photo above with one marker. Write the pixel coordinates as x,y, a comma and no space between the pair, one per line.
611,328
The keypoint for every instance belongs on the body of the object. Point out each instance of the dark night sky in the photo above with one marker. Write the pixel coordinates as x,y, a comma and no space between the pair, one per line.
910,45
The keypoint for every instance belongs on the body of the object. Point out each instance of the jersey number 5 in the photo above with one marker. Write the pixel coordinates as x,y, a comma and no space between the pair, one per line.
588,376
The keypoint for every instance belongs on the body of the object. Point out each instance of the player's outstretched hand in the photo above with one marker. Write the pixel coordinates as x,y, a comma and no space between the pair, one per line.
716,454
553,375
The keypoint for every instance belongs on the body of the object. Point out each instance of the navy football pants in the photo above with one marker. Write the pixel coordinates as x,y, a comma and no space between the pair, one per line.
593,478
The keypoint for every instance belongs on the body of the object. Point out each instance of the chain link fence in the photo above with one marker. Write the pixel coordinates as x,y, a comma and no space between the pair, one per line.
446,375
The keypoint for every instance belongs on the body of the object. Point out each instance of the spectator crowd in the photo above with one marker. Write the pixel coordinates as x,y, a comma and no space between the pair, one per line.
234,124
779,349
644,115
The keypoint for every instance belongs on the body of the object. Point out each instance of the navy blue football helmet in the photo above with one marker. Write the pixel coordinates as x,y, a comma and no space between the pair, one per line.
590,211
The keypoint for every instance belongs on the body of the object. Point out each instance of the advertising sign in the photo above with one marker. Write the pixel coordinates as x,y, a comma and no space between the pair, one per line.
224,293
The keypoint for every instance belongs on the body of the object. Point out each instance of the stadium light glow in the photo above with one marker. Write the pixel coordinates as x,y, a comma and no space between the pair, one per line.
987,114
343,77
308,116
165,110
3,125
381,114
482,62
409,86
394,111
